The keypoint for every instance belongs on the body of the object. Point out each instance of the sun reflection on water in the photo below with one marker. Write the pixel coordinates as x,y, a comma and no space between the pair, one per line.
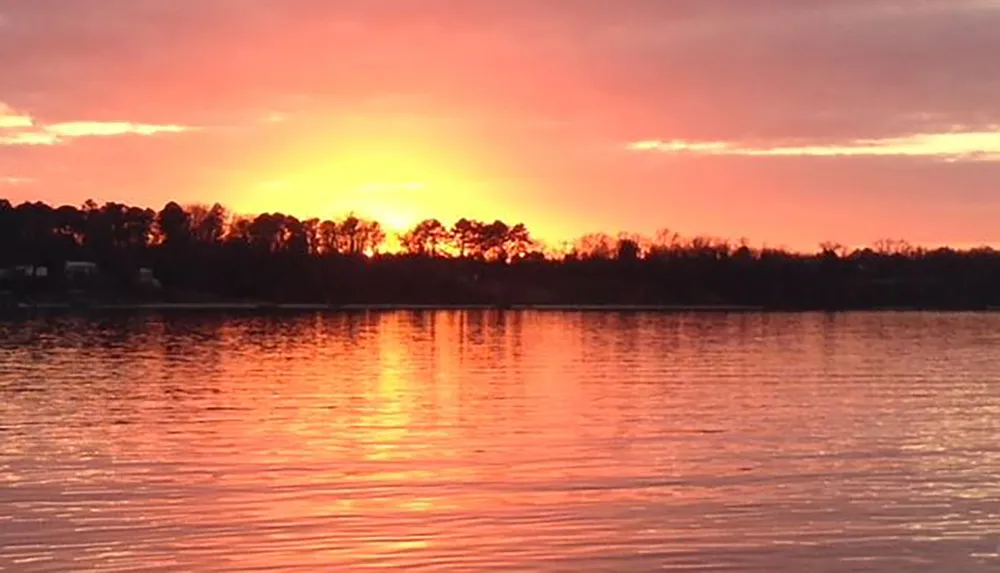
498,441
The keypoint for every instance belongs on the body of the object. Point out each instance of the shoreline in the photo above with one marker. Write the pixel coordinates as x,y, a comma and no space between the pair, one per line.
251,306
394,307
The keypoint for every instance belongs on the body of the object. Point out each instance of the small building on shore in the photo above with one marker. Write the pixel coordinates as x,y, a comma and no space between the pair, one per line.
77,269
24,271
146,278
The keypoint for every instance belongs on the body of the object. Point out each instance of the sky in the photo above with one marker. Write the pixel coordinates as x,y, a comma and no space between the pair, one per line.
788,122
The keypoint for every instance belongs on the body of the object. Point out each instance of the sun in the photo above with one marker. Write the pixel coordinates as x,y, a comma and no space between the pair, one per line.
393,203
395,182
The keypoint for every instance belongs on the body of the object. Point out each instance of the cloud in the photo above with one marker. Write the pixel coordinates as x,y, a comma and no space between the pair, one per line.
18,128
681,146
15,181
953,146
10,119
28,138
106,129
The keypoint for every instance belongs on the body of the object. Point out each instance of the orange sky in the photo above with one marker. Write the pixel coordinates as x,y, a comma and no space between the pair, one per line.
789,122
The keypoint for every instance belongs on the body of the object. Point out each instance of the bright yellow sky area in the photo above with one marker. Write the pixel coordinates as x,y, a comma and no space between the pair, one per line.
398,182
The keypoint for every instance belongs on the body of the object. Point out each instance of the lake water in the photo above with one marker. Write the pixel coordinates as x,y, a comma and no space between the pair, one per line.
490,441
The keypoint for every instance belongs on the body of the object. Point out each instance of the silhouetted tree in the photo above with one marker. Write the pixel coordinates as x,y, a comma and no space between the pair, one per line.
628,250
239,231
328,238
595,246
426,238
357,236
466,235
492,241
519,241
203,252
311,229
173,225
266,232
8,233
207,225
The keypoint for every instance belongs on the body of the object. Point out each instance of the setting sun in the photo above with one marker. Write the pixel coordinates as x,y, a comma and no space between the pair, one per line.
396,181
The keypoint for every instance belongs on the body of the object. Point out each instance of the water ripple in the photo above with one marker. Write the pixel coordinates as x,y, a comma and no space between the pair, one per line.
487,441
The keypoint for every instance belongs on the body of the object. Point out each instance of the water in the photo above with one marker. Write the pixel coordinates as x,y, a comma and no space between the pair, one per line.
486,441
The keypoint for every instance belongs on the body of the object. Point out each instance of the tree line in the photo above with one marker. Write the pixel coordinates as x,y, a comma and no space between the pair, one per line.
202,252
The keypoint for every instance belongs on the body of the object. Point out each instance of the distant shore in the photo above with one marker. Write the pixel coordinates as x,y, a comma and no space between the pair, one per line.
125,258
389,307
259,306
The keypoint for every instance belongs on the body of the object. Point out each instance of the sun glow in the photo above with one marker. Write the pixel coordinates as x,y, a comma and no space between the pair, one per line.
397,183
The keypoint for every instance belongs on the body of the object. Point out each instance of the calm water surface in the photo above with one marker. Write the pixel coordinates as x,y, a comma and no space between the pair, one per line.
487,441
